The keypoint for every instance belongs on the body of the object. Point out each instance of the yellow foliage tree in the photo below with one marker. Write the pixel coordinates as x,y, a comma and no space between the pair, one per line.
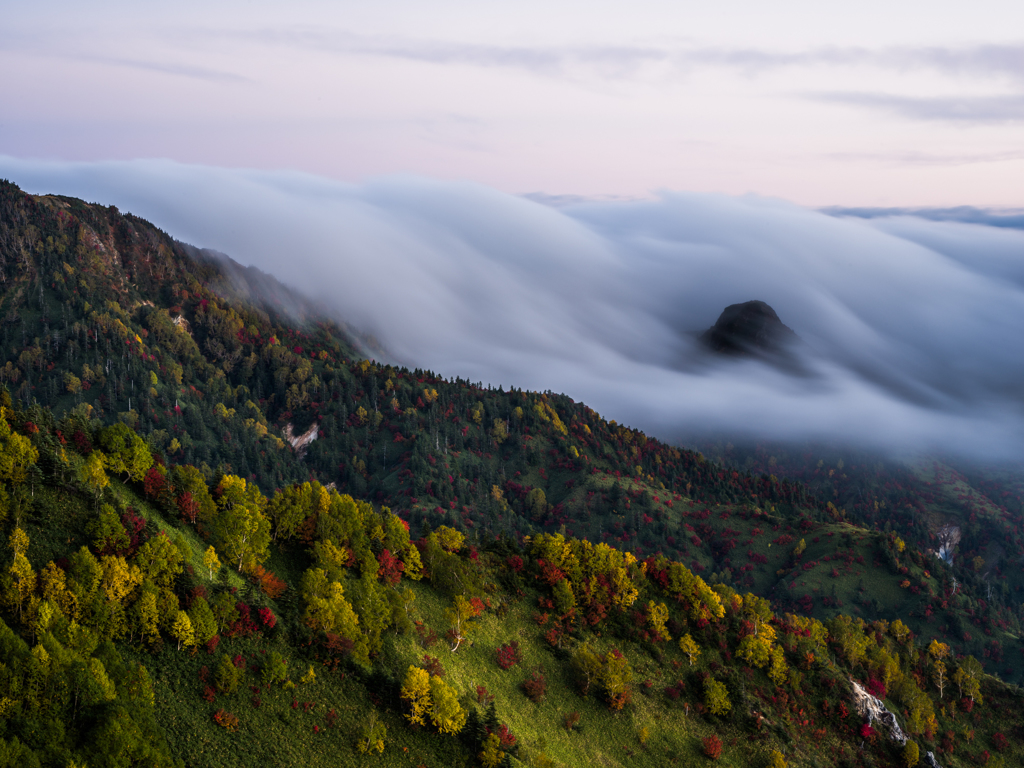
716,697
689,647
416,693
181,629
211,561
657,618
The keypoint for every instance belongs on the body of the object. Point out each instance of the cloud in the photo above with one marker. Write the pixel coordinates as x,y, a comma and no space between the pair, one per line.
965,214
968,109
911,326
1004,61
918,158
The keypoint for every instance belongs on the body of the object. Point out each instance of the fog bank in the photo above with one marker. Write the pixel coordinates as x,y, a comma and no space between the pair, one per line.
911,327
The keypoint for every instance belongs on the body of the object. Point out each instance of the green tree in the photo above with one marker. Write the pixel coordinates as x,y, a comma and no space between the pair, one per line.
146,615
446,713
241,529
375,733
204,625
107,532
275,669
126,452
227,675
92,474
460,619
374,609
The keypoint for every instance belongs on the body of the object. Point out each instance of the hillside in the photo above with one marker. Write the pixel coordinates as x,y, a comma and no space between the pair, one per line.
123,348
151,618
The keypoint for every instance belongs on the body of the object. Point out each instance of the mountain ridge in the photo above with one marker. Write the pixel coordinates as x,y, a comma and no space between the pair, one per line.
502,470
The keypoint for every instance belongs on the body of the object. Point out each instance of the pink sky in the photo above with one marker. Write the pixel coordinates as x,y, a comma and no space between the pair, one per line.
870,103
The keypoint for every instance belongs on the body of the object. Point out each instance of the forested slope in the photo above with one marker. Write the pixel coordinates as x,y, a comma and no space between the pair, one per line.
155,392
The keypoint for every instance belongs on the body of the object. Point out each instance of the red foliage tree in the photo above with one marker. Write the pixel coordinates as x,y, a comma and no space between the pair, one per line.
712,747
391,568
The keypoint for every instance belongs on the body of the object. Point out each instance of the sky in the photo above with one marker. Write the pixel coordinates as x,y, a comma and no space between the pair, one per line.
821,103
560,196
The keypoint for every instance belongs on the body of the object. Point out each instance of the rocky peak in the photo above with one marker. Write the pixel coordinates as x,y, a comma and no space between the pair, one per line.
750,328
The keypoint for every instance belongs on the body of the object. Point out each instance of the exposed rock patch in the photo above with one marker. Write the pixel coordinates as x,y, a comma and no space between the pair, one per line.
876,712
301,442
182,324
949,537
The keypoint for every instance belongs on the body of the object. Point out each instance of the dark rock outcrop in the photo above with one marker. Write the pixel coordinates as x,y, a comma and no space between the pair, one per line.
749,329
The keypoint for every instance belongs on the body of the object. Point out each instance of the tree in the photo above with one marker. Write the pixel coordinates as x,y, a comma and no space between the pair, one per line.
329,611
689,647
211,561
146,615
204,625
92,474
416,693
712,746
374,609
119,579
446,713
968,679
107,531
181,629
657,618
460,617
23,578
17,454
491,755
240,527
755,650
126,452
716,697
616,675
375,732
939,675
778,671
911,754
227,675
274,669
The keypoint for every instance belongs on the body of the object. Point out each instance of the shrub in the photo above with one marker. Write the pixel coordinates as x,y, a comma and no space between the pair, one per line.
536,686
433,666
508,655
572,720
226,720
712,746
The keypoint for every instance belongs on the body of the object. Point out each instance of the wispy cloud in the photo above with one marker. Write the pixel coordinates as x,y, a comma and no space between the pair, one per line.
167,68
1003,61
918,158
972,109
